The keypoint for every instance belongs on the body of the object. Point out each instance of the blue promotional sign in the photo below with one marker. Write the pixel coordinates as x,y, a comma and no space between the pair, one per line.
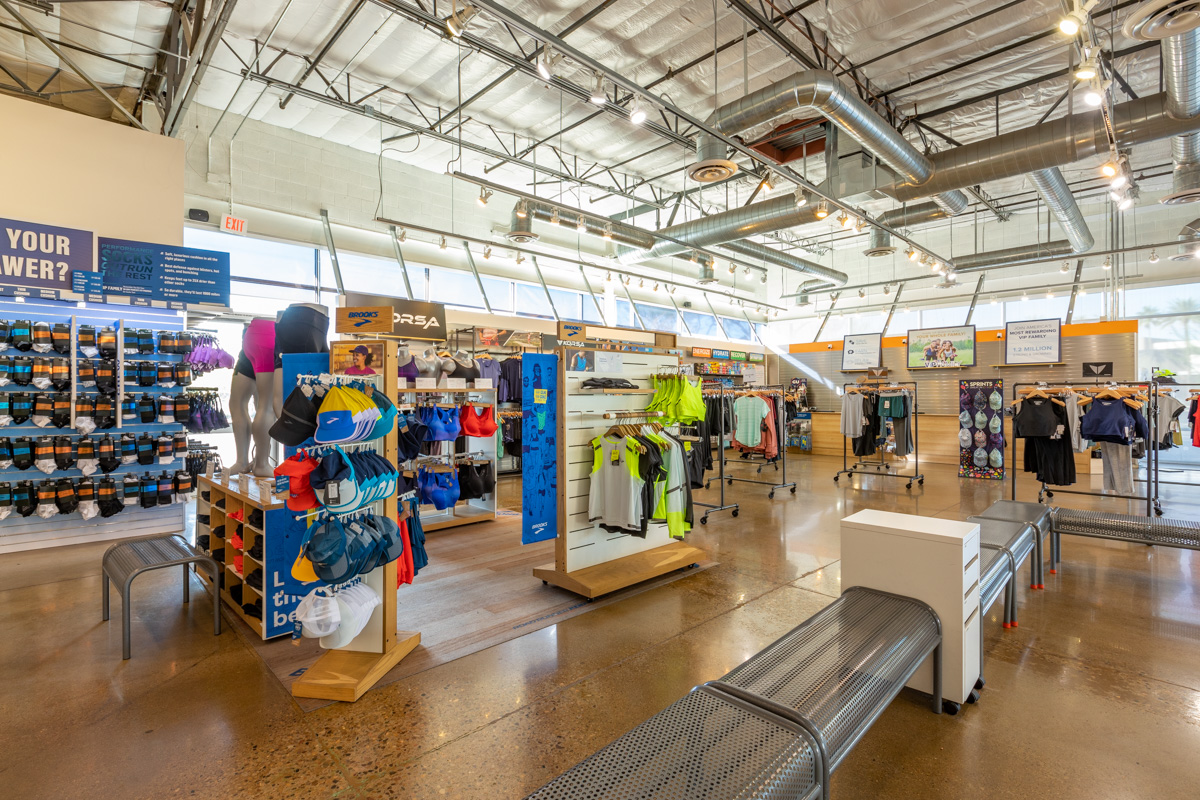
721,354
42,256
539,447
162,272
89,284
282,592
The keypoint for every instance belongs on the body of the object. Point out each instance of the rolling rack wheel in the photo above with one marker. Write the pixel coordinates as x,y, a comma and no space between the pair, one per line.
771,495
734,512
973,697
729,482
921,482
908,485
793,490
835,478
950,707
704,520
1049,493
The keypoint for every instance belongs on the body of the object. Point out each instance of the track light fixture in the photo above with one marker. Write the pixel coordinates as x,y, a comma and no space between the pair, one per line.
581,224
732,267
862,293
1077,18
608,230
484,195
546,62
887,289
597,96
522,209
457,22
641,283
403,235
1097,93
1082,292
746,272
763,278
1086,70
656,287
822,210
1065,268
1107,262
520,258
628,280
487,253
768,182
1109,170
671,288
637,112
1050,295
554,220
913,254
843,220
608,277
993,301
693,259
1153,257
442,244
801,199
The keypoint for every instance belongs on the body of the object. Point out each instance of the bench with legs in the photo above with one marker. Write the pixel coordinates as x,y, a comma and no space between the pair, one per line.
781,723
1120,528
1003,547
1035,515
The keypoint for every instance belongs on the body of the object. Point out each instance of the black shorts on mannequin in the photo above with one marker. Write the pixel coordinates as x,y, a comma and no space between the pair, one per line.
242,366
300,329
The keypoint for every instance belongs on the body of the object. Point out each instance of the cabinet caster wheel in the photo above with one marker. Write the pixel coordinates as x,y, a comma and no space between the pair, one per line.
735,512
979,684
973,697
770,495
793,490
950,707
545,583
704,520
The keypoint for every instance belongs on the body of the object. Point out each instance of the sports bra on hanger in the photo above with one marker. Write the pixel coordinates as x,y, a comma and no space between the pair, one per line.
474,424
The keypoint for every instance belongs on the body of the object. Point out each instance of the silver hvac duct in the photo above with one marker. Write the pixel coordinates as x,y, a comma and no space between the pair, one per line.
769,216
750,249
821,92
1181,80
880,243
521,229
1052,186
1012,256
1189,238
1050,144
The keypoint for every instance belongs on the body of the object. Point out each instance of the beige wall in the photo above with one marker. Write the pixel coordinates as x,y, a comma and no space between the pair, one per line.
66,169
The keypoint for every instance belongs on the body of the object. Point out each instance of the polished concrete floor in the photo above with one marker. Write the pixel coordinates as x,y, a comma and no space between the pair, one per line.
1096,695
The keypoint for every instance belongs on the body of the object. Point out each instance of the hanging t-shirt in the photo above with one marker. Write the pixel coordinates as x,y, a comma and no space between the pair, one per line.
615,494
852,414
748,413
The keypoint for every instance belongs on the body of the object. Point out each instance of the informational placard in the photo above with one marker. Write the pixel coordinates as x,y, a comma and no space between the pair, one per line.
934,348
757,358
482,383
862,351
981,429
411,319
609,362
89,284
176,275
720,354
1037,341
43,256
701,352
456,383
539,447
737,355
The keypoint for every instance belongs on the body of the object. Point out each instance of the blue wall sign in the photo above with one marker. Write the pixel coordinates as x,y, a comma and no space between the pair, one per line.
539,447
42,256
163,272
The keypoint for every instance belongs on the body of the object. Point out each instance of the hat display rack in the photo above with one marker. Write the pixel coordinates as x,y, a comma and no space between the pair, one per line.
126,514
883,469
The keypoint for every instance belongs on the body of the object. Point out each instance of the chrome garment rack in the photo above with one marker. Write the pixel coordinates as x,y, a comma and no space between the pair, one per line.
721,505
882,468
776,393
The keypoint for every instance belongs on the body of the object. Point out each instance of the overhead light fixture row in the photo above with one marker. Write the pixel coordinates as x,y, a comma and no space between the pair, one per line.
456,23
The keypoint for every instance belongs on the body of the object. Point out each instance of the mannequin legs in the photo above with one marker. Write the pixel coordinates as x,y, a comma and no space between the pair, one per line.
277,392
264,418
240,391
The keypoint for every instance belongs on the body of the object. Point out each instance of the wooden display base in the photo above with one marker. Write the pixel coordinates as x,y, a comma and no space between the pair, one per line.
592,582
346,675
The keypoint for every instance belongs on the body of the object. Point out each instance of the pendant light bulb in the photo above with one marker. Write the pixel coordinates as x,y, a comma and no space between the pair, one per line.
485,194
801,199
597,96
637,113
1107,263
822,210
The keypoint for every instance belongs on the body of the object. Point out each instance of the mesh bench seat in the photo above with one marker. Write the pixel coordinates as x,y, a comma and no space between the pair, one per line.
707,745
1123,528
778,725
126,560
1017,540
1033,514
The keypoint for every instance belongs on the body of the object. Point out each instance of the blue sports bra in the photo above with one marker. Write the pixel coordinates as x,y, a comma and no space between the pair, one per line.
439,489
442,423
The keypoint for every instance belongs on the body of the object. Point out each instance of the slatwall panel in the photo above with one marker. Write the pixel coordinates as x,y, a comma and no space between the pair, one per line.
32,533
587,543
939,387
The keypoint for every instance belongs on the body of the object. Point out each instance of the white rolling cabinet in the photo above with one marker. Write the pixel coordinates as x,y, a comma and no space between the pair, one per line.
933,560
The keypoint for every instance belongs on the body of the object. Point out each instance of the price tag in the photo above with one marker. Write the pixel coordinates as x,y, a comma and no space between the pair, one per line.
283,484
402,384
616,456
456,383
483,383
540,396
426,383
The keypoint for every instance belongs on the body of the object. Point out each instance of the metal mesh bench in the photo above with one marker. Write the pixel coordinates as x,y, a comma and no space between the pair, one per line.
126,560
1016,540
1122,528
777,726
1033,514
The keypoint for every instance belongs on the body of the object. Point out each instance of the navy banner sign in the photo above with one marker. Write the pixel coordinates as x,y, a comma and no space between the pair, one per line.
42,256
164,272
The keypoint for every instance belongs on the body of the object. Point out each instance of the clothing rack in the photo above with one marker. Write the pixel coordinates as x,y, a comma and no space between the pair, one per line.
776,393
877,385
1151,454
1156,435
721,505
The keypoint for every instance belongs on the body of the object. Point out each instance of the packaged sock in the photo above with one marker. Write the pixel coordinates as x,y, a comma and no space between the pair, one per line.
43,410
86,492
64,452
46,507
87,341
65,497
60,337
85,455
41,373
42,341
21,335
6,454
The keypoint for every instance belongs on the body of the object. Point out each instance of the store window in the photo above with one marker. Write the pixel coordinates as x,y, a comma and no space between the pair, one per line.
453,287
988,316
625,318
868,322
1037,308
704,325
569,304
258,258
949,316
902,322
738,329
658,318
837,327
1089,307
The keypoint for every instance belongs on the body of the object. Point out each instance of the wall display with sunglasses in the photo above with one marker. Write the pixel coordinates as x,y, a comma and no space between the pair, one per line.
92,422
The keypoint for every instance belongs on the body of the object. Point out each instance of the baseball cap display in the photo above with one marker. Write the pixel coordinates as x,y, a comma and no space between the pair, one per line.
297,421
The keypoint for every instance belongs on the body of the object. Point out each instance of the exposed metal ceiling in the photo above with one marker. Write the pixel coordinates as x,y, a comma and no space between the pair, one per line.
950,71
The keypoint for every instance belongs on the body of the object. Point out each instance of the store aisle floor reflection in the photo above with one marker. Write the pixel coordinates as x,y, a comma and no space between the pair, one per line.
1095,695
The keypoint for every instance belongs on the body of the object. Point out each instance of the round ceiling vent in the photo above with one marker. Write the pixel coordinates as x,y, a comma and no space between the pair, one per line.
712,169
883,250
1161,19
521,237
1181,197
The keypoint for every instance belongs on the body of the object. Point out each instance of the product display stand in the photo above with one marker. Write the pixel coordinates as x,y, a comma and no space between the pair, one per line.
882,468
464,512
776,393
588,560
348,672
1149,497
717,388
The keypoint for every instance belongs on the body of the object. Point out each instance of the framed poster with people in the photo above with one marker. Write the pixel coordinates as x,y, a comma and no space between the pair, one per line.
939,348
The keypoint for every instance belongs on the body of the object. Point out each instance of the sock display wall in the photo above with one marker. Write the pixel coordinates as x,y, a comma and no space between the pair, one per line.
90,445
